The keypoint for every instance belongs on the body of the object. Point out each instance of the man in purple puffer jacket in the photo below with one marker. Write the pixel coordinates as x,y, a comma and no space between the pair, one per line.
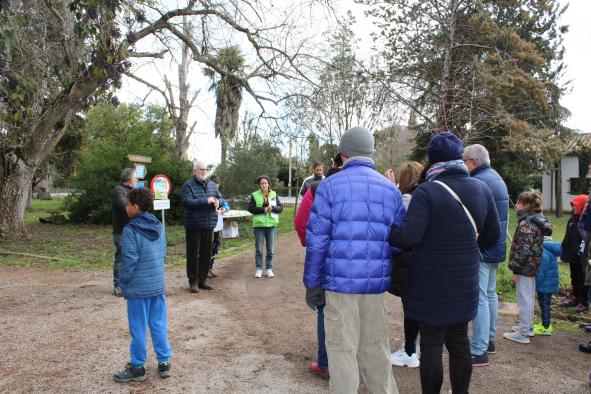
348,257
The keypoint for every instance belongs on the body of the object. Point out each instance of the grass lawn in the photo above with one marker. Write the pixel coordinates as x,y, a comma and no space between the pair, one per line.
91,246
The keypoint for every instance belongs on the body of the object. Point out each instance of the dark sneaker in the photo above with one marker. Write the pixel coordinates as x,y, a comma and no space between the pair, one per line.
569,303
580,308
492,349
585,348
164,369
131,374
193,287
203,285
480,361
117,292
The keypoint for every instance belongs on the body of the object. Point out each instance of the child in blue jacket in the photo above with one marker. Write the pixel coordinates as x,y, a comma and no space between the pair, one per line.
547,279
141,277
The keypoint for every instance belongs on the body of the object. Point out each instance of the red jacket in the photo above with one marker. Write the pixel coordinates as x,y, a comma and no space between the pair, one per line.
302,215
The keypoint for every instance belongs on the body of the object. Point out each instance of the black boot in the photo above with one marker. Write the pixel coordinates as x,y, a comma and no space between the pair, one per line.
203,285
193,287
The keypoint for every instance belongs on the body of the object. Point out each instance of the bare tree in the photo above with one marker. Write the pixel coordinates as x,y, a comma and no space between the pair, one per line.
60,56
344,95
180,110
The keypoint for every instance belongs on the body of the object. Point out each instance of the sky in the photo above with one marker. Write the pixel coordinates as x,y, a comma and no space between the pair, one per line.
577,58
205,146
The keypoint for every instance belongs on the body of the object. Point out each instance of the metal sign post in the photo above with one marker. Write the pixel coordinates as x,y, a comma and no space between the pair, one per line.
161,187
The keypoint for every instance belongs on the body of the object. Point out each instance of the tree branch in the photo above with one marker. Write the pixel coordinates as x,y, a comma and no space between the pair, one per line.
158,55
150,85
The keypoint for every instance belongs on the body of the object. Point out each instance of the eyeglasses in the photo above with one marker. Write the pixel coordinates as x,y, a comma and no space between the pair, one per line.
465,160
202,169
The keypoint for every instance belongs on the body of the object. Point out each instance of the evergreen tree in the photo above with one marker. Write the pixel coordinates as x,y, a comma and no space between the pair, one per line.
486,70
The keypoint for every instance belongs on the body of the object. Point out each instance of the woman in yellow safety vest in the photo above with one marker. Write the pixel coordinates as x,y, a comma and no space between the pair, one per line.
265,208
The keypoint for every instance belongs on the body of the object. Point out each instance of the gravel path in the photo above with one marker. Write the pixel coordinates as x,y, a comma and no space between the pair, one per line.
63,331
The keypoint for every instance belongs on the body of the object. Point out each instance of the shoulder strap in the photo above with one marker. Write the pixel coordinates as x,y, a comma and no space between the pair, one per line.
457,198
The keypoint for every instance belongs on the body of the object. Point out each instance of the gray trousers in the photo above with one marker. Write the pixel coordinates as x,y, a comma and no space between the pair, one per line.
357,341
526,295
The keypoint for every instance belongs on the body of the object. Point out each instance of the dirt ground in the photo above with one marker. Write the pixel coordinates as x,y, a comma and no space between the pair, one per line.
63,331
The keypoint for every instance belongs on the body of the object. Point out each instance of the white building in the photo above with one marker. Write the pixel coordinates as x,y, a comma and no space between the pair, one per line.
569,167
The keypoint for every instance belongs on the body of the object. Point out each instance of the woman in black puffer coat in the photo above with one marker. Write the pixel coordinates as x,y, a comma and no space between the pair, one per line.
442,293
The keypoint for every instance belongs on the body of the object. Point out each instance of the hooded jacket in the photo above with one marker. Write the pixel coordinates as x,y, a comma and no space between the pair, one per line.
528,243
142,257
571,244
347,233
547,277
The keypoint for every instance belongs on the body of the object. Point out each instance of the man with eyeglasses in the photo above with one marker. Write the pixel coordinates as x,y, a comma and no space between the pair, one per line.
484,325
201,199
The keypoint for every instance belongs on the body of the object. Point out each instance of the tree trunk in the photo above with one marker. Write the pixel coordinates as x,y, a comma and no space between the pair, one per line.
182,134
224,141
14,197
30,197
558,190
445,100
44,133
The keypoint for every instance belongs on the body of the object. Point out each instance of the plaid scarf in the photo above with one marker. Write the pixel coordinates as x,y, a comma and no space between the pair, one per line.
439,168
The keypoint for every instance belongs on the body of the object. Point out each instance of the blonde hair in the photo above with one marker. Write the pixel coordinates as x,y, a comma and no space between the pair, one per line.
532,198
410,173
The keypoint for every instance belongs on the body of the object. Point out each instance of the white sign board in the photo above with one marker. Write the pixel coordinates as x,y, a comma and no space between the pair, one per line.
161,204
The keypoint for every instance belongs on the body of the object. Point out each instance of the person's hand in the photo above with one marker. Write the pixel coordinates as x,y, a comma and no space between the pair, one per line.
515,278
315,297
211,200
216,203
269,209
222,211
389,174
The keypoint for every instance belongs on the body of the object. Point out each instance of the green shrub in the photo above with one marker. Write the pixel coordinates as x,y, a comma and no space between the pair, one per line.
114,133
246,162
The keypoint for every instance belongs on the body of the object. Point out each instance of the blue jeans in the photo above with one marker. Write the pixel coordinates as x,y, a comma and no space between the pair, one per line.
544,301
322,355
484,325
141,314
264,235
118,241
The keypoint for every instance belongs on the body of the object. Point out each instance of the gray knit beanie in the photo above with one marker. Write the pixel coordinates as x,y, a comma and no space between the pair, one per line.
357,141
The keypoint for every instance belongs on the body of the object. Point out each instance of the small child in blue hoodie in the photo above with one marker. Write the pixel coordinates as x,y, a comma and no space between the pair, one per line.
141,277
547,279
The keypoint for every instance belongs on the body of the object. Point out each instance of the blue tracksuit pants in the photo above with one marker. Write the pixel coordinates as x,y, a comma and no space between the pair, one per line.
141,314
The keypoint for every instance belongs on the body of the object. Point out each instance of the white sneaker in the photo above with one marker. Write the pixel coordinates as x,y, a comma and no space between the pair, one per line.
529,334
516,336
401,359
258,274
269,274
